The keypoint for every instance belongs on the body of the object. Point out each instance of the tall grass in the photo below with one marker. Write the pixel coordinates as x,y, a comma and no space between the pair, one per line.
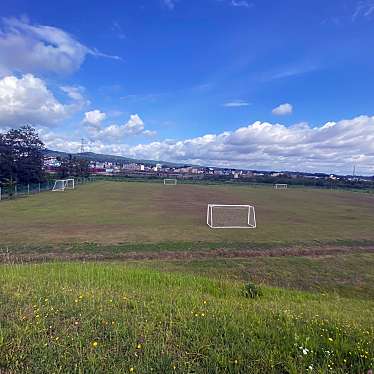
104,318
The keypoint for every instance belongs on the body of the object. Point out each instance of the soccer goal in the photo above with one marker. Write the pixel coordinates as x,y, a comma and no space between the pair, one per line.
280,186
220,216
64,184
70,184
171,182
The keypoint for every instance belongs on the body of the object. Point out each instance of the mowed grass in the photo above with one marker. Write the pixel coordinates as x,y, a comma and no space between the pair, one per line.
118,212
111,318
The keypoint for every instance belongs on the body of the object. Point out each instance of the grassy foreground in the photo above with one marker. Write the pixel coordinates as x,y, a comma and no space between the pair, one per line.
101,318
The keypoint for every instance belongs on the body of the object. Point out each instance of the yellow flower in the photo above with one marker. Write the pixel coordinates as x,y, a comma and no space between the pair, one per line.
132,370
330,339
236,361
94,344
139,346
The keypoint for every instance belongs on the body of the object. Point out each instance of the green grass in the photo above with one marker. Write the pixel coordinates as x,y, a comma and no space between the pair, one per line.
350,276
110,213
102,318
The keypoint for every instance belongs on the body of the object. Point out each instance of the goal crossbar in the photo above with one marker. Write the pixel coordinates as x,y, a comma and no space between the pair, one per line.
248,219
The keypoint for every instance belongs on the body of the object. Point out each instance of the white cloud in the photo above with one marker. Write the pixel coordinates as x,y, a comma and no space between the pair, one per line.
170,4
31,48
235,104
117,133
94,117
28,100
364,9
333,147
241,3
283,109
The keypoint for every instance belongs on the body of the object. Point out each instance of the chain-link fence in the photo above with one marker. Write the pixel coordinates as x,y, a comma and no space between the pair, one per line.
22,190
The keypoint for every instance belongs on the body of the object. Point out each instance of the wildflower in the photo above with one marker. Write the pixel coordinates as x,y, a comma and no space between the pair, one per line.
94,344
236,361
132,370
310,367
330,339
76,300
202,314
139,346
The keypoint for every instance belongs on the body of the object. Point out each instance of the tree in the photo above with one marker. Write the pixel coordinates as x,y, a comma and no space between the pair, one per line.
74,167
21,155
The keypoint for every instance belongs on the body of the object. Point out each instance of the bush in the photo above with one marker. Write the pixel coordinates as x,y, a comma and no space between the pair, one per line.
252,291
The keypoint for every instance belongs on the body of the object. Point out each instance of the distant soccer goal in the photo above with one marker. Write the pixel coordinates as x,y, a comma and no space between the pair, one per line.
63,184
70,184
171,182
220,216
280,186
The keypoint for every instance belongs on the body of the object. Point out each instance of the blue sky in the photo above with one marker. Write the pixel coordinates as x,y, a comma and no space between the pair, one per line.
255,84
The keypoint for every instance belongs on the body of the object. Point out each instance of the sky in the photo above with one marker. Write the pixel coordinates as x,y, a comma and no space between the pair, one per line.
254,84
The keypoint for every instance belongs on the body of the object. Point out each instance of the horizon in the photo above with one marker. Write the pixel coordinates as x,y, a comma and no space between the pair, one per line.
232,84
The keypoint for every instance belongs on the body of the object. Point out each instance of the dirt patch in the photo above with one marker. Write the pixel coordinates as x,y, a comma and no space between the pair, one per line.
327,251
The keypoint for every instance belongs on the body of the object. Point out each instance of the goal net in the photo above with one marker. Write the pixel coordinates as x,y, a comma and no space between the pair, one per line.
280,186
70,184
221,216
64,184
170,181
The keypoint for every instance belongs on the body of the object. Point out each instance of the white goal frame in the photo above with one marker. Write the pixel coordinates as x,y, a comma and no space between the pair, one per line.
251,216
70,184
280,186
170,182
64,184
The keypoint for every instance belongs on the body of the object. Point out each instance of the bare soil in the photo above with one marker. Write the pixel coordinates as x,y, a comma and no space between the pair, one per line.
9,257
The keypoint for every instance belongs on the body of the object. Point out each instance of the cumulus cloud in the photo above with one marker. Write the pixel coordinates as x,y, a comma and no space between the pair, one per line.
94,117
117,133
31,48
283,109
333,147
28,100
235,104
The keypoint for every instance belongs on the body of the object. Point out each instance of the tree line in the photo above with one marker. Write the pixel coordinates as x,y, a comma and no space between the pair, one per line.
22,159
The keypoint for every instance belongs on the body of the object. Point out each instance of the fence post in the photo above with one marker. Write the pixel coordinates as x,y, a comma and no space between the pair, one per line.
39,187
28,189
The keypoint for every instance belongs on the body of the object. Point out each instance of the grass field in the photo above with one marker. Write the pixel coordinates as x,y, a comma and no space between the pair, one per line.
113,213
175,301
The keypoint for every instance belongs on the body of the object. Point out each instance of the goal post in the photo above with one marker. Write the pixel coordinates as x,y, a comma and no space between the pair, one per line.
70,184
280,186
170,182
64,184
60,185
223,216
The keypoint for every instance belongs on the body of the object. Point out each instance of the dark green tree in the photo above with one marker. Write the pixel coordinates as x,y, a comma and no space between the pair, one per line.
21,155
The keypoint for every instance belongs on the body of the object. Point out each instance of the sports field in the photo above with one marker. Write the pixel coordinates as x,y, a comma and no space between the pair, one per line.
119,212
175,295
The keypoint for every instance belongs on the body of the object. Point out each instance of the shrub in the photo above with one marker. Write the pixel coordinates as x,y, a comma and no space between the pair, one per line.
251,290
